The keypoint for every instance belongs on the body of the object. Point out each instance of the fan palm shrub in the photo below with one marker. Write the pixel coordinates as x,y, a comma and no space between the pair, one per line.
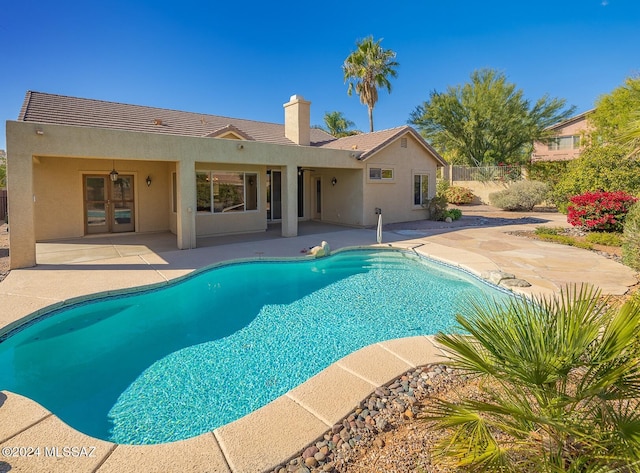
559,386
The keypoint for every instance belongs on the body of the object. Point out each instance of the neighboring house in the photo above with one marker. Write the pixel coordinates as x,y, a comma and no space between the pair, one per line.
566,144
78,167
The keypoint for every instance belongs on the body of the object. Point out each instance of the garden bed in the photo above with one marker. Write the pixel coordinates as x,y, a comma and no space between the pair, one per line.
574,237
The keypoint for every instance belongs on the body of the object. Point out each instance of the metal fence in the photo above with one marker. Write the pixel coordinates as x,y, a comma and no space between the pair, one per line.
486,173
3,204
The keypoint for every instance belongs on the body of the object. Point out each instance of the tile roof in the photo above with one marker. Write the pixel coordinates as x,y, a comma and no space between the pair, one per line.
64,110
367,144
571,120
55,109
230,129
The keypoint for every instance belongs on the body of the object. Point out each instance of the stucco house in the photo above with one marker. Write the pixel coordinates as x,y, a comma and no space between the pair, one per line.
566,142
78,167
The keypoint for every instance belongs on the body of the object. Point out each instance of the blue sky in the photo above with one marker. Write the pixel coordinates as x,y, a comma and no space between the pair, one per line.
245,59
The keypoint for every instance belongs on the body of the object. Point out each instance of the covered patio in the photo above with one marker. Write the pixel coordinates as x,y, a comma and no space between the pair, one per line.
104,247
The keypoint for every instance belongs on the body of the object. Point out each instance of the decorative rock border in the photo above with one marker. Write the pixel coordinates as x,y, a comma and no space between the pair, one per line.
388,406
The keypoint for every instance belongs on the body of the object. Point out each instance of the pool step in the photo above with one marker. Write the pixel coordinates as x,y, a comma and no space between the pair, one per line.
358,263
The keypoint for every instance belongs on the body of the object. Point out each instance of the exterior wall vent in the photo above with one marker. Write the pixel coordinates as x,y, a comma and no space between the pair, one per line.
403,142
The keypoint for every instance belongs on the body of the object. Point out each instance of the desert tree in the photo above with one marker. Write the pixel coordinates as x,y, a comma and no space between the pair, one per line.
486,121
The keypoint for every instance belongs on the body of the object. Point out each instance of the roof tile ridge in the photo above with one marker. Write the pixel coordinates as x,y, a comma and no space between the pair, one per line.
399,127
397,131
25,105
230,127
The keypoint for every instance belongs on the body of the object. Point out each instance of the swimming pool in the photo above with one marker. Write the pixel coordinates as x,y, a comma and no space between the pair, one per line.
171,363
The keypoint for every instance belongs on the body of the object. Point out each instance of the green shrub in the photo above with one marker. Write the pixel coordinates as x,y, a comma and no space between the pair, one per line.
567,240
521,195
436,208
604,238
458,195
631,244
547,171
603,168
441,187
563,207
454,214
548,230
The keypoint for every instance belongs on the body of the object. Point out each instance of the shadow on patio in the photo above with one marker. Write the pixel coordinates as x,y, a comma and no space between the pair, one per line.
80,251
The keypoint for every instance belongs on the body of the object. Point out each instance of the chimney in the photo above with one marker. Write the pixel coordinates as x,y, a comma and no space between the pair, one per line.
297,120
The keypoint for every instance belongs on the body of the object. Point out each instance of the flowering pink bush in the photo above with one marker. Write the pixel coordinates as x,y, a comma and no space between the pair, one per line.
604,211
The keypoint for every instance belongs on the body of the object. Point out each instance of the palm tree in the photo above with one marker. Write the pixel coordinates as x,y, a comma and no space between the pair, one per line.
337,125
368,68
559,386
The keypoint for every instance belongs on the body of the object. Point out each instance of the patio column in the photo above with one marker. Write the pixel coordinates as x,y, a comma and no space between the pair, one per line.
22,231
186,190
290,201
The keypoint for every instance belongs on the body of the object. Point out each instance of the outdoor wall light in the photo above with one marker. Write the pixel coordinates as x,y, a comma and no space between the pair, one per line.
240,146
113,175
148,181
334,181
39,132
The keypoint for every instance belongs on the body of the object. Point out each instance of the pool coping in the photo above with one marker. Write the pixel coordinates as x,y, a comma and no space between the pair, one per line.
257,442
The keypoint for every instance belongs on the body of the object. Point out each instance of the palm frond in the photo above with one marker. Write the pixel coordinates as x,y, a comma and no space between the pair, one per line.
471,444
559,375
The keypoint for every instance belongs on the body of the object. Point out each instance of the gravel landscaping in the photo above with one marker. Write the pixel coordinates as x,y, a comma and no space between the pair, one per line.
374,437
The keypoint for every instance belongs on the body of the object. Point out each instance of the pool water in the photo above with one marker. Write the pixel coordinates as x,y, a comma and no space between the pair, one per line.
172,363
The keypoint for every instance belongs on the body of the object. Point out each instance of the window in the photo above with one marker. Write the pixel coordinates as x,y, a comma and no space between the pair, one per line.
380,174
203,191
564,142
420,189
576,141
225,191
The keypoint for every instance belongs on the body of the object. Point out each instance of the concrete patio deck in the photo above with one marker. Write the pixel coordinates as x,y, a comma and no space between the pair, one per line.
72,269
